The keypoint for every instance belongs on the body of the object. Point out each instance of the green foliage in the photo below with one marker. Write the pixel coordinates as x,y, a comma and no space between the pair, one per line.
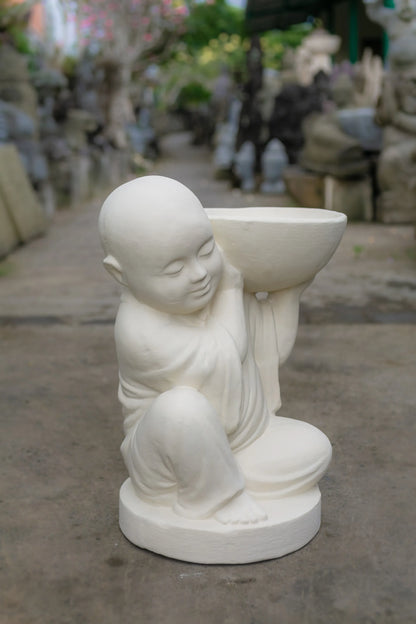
193,93
358,250
69,66
275,42
200,66
13,22
214,39
207,20
20,40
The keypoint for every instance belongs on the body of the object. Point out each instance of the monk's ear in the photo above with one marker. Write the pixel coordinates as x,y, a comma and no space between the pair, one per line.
114,268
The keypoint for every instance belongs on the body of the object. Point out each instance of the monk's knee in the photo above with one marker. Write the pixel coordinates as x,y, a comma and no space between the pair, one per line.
182,406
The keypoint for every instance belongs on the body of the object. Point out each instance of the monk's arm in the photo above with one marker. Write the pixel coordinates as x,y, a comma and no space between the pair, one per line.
285,304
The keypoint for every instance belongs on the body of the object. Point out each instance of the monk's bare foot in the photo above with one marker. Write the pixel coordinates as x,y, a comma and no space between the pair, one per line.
242,509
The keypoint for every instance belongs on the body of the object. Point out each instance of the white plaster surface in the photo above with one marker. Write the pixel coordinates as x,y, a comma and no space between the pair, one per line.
199,355
291,523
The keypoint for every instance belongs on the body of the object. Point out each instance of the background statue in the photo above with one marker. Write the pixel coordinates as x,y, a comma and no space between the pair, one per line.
399,24
396,111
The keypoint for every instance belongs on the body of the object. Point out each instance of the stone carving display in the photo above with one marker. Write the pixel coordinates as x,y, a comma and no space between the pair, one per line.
368,79
15,86
225,140
251,120
359,123
21,215
245,165
330,147
329,150
396,112
292,105
274,160
214,475
314,55
20,122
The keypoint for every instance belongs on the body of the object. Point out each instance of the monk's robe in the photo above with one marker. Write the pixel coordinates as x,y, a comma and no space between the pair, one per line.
229,355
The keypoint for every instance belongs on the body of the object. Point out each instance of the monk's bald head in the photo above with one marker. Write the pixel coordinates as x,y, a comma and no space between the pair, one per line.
160,245
144,212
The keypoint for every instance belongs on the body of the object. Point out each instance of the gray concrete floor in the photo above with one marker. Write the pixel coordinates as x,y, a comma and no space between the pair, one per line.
352,373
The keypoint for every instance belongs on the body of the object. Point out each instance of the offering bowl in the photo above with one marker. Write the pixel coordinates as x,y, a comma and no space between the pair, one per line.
277,248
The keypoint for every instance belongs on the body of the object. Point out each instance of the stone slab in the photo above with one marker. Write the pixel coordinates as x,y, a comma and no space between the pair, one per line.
353,197
8,234
306,188
397,206
18,196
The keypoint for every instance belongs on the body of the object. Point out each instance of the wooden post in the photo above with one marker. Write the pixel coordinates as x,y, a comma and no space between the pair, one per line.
353,31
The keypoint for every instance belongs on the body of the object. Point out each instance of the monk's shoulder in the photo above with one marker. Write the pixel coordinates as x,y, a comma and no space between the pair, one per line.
135,331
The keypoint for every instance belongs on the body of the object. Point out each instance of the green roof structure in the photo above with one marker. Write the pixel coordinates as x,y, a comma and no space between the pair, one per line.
262,15
346,18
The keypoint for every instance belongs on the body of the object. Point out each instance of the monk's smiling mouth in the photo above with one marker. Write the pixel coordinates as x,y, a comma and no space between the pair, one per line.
202,290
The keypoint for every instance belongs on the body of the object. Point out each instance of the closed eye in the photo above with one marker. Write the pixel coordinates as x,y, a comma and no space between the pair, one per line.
174,268
207,248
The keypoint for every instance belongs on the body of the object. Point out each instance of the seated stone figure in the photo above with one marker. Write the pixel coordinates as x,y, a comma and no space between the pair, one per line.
396,112
198,360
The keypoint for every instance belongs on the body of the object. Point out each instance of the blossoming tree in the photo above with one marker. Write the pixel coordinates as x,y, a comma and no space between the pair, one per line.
124,33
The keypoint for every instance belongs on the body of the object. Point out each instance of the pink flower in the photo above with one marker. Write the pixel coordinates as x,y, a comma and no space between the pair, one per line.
148,37
181,10
87,22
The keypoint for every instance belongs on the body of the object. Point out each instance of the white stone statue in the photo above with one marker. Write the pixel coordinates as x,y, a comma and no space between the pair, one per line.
314,55
214,475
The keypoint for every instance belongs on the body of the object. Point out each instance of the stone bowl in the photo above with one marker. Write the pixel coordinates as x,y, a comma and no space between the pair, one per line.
277,248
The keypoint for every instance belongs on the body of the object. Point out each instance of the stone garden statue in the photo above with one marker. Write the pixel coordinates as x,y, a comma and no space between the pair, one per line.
315,55
214,475
245,166
274,161
396,112
398,22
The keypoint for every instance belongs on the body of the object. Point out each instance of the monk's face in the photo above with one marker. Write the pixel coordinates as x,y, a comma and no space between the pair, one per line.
179,271
406,9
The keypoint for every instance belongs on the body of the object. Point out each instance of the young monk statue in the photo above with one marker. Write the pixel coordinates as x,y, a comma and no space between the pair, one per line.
198,360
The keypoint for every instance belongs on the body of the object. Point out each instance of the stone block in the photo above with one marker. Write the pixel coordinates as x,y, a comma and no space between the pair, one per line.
18,197
305,187
8,234
397,206
353,197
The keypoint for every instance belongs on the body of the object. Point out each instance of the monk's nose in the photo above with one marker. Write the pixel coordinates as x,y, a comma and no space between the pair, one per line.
198,271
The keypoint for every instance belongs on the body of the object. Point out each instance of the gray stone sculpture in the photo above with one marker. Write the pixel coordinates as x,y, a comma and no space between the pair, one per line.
359,123
396,112
274,161
244,166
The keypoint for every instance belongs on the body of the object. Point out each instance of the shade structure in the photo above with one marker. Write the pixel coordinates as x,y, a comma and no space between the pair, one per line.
262,15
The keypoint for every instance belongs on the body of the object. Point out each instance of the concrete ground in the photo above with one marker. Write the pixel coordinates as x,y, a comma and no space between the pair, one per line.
352,373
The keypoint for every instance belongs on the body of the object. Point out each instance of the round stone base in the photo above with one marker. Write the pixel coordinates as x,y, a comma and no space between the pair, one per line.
291,523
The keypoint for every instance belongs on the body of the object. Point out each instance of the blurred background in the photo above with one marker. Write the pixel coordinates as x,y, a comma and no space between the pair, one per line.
285,95
258,103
